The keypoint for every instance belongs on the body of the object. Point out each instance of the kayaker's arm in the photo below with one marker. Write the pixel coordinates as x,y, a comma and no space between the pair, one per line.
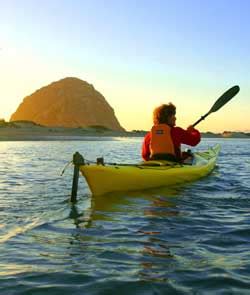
191,136
145,147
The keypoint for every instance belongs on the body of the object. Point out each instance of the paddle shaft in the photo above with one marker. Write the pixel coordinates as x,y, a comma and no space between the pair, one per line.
220,102
201,119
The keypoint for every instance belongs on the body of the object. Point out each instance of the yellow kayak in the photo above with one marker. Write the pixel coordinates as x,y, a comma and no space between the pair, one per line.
145,175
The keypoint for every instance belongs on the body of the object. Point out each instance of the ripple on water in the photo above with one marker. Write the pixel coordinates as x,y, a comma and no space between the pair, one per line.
184,240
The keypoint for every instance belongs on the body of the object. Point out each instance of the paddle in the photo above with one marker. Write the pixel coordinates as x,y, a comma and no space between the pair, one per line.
220,102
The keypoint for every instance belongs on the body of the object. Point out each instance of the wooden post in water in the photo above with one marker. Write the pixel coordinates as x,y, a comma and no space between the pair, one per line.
78,160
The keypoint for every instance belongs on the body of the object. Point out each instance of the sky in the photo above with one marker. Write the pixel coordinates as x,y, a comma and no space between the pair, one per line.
137,53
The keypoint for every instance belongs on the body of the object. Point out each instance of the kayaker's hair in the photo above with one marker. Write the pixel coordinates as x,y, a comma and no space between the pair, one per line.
162,113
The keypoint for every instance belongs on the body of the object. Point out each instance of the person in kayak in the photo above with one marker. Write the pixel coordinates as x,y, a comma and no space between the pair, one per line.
164,140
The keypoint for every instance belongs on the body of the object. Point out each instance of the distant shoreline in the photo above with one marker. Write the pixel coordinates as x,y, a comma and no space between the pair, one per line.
30,135
25,131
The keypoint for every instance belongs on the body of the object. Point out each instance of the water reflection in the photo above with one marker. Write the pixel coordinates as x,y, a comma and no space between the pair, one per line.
81,218
123,229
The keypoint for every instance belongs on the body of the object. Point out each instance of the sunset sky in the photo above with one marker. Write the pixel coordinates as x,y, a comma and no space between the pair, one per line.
137,53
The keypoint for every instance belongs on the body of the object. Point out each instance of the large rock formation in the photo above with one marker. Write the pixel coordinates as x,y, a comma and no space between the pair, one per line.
69,102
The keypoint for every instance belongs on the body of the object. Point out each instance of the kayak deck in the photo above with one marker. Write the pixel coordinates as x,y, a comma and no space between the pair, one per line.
111,178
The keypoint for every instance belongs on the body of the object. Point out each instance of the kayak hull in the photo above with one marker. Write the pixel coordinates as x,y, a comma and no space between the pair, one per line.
112,178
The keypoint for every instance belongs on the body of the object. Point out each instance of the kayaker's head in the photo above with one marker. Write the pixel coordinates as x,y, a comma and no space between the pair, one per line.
165,114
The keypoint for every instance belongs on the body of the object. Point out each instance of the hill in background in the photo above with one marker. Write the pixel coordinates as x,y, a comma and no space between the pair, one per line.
69,102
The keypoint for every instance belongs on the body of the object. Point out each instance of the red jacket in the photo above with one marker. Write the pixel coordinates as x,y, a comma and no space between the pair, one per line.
178,135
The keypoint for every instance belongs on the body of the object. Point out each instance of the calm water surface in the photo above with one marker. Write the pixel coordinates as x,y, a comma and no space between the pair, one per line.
193,239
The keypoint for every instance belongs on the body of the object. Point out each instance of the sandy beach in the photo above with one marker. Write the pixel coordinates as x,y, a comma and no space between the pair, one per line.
31,132
23,132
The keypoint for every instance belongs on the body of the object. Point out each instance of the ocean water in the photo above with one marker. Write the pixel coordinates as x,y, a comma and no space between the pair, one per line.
193,239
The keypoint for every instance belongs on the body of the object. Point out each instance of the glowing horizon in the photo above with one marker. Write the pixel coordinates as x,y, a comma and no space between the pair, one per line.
137,55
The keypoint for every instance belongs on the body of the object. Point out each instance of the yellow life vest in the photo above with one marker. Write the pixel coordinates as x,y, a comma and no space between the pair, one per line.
161,140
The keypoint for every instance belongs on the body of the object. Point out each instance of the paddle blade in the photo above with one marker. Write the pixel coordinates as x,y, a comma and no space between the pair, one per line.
225,97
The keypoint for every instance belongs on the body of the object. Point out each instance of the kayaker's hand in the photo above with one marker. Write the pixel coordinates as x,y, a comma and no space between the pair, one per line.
190,128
